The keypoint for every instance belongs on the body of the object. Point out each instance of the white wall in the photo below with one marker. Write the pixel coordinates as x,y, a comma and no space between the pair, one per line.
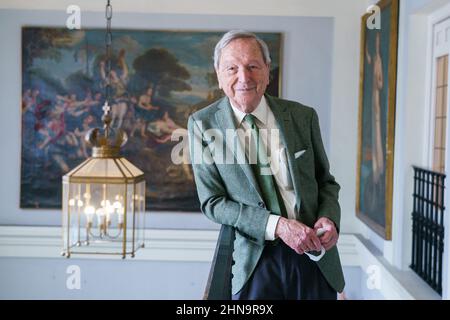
27,278
173,265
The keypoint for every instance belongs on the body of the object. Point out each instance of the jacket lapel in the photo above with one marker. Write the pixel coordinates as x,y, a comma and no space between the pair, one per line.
225,119
287,136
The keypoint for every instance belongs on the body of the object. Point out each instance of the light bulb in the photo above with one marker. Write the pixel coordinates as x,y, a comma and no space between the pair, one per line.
120,214
72,202
105,203
100,215
89,212
108,217
117,205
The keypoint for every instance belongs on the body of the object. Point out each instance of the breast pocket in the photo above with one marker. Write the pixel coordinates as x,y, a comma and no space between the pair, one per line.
304,161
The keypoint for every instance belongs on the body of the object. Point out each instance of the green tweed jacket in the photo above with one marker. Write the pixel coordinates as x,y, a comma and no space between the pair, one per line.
229,193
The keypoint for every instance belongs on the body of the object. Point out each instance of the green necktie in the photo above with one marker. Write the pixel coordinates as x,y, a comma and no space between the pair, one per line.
269,189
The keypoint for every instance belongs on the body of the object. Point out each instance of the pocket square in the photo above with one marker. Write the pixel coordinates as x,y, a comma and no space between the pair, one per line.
299,154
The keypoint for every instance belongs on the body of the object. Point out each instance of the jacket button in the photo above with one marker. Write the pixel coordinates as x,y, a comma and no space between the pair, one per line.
261,205
233,262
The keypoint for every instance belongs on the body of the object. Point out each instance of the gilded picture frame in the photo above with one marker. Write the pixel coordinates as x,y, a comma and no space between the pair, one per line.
377,98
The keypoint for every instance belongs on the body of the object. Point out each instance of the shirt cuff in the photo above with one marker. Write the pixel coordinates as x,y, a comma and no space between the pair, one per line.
271,226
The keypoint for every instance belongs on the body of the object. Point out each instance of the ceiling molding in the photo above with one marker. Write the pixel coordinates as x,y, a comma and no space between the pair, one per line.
329,8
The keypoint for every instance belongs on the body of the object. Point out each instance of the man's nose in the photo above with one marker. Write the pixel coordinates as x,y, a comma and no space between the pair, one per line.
243,74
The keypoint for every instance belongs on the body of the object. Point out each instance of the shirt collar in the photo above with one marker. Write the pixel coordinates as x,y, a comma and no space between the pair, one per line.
260,112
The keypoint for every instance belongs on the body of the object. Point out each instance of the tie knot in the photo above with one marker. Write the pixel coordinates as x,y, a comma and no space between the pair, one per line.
250,119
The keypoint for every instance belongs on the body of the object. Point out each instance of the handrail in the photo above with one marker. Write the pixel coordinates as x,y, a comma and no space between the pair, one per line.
218,286
428,170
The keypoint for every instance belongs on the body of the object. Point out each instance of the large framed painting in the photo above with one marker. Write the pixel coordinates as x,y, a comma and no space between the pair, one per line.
378,66
159,78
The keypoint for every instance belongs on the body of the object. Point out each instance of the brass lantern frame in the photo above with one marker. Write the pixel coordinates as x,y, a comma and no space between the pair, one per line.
129,175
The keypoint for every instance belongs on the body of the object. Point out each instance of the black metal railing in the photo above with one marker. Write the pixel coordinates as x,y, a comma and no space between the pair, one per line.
428,226
218,286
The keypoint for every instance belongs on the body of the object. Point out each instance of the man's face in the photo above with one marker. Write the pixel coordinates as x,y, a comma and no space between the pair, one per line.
243,75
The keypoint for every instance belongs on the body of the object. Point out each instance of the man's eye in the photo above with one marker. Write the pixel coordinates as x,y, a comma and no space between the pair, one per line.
231,69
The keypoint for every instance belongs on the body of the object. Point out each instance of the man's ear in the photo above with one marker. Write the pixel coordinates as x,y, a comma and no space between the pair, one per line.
269,75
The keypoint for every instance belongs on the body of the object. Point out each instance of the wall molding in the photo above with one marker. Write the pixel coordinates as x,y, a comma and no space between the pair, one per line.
160,245
253,7
199,246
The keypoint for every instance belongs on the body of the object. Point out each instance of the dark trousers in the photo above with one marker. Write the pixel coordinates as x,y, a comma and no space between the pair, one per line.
281,273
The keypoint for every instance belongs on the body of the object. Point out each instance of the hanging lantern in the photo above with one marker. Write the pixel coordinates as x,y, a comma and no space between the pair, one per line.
104,197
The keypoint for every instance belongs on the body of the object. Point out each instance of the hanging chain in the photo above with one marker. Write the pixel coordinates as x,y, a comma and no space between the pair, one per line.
106,118
108,43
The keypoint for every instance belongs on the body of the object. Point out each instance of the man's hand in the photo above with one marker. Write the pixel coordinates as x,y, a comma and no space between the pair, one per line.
330,237
297,235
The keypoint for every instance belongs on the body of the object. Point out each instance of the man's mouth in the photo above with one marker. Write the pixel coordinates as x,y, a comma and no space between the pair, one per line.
245,89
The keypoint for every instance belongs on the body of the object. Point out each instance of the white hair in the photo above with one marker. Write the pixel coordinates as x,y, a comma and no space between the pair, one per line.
239,34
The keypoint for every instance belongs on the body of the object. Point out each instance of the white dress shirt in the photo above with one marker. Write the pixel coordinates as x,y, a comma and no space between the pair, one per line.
266,120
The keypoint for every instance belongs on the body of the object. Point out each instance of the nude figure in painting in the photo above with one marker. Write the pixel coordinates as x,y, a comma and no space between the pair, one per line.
377,86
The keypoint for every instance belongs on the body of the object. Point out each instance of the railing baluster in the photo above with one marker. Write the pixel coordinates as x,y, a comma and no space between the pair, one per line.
414,222
435,183
427,230
441,237
422,207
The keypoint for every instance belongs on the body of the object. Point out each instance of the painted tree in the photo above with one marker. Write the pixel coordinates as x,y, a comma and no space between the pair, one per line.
160,69
46,43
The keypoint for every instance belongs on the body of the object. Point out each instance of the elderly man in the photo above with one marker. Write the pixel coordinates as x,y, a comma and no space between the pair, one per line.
282,200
